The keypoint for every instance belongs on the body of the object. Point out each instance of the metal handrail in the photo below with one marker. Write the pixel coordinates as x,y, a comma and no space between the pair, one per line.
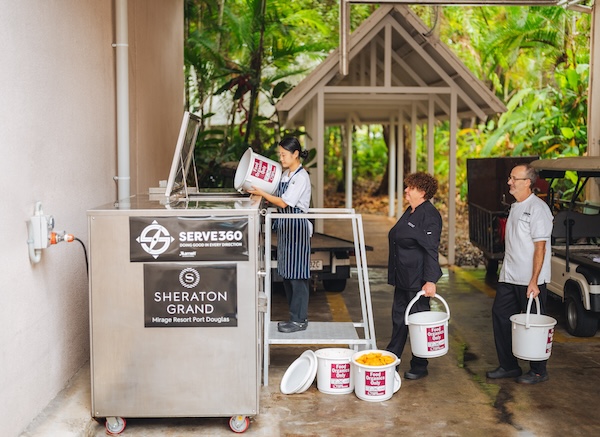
361,265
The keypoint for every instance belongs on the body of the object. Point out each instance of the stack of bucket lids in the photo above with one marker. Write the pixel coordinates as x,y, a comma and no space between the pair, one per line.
300,375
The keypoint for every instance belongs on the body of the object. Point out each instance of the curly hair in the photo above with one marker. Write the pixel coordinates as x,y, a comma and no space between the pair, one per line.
422,181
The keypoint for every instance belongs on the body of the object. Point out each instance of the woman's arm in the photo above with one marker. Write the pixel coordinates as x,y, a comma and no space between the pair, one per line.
429,239
277,201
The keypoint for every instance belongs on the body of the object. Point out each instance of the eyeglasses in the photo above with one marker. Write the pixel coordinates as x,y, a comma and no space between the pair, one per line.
511,177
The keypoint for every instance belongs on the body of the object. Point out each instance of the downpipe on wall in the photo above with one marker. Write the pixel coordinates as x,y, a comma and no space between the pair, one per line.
122,82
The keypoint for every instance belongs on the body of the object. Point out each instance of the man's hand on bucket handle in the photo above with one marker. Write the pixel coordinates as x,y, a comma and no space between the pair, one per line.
533,290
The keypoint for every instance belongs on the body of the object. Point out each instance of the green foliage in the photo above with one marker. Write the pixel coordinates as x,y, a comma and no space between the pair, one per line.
369,154
536,60
546,122
241,55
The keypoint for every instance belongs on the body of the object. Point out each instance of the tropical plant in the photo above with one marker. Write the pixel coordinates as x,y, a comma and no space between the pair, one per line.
238,56
536,60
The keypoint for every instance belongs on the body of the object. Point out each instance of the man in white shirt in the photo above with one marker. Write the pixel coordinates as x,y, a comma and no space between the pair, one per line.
525,272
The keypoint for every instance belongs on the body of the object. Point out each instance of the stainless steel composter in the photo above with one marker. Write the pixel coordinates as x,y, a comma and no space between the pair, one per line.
174,309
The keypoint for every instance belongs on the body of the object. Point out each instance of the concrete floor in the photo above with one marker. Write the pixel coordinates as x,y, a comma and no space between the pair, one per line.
454,400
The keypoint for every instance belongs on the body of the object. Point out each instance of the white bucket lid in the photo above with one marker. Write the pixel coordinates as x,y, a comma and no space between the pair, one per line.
300,375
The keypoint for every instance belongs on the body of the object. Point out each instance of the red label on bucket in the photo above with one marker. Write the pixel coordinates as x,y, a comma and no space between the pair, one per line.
375,383
262,170
340,376
436,338
271,175
549,340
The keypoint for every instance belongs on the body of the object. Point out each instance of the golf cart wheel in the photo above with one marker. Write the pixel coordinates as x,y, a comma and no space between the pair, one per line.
579,322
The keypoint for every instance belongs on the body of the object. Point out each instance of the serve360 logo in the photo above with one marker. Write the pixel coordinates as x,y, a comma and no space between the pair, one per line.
164,239
155,239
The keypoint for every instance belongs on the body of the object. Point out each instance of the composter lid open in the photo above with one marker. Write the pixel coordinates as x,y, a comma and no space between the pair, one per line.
180,177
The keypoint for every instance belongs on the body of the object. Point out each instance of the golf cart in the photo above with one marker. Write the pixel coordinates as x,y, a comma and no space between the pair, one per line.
575,244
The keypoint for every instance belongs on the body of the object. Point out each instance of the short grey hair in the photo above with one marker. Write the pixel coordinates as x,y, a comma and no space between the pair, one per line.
531,174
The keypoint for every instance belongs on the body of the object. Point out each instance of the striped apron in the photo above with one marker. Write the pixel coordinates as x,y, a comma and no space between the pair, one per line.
293,241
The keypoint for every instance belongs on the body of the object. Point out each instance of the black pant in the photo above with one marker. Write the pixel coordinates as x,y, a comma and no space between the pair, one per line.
512,299
399,329
297,291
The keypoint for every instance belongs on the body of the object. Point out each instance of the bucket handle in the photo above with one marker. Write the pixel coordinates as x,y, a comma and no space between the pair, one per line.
537,305
416,298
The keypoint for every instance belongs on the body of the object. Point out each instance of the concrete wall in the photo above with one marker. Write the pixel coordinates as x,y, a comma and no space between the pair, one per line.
58,146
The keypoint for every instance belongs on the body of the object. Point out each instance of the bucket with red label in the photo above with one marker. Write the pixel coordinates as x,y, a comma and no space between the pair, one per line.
334,371
375,376
532,334
428,330
258,171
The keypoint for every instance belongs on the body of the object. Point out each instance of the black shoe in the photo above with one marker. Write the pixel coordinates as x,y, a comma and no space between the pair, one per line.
292,326
416,374
532,378
500,373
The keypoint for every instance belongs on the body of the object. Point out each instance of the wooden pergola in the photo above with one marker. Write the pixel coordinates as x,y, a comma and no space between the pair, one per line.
398,75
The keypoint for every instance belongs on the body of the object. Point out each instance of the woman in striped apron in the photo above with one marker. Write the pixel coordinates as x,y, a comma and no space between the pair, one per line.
293,235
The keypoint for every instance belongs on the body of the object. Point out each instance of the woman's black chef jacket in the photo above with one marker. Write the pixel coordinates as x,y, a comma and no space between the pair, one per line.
413,248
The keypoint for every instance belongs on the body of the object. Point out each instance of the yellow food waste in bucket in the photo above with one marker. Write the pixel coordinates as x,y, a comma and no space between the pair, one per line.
375,382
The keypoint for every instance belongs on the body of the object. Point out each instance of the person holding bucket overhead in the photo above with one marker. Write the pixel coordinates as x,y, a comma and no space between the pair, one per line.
525,272
413,261
293,235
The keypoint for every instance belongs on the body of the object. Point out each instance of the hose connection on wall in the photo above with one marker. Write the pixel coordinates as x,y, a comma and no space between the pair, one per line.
59,237
41,235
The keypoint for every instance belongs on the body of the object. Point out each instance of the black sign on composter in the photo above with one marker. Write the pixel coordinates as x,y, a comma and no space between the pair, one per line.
185,296
159,239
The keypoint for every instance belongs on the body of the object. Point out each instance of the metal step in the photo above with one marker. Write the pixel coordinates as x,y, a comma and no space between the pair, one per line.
318,333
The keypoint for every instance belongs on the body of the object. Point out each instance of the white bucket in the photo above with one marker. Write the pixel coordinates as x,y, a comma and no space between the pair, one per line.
334,372
375,383
428,330
532,334
256,170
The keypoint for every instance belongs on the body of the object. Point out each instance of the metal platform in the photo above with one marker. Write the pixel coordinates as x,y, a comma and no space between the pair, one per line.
318,333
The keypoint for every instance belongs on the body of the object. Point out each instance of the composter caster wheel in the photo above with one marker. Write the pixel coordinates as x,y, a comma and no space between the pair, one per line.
115,425
239,424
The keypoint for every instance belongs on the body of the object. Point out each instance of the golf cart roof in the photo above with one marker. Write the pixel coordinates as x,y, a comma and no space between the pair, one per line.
585,166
